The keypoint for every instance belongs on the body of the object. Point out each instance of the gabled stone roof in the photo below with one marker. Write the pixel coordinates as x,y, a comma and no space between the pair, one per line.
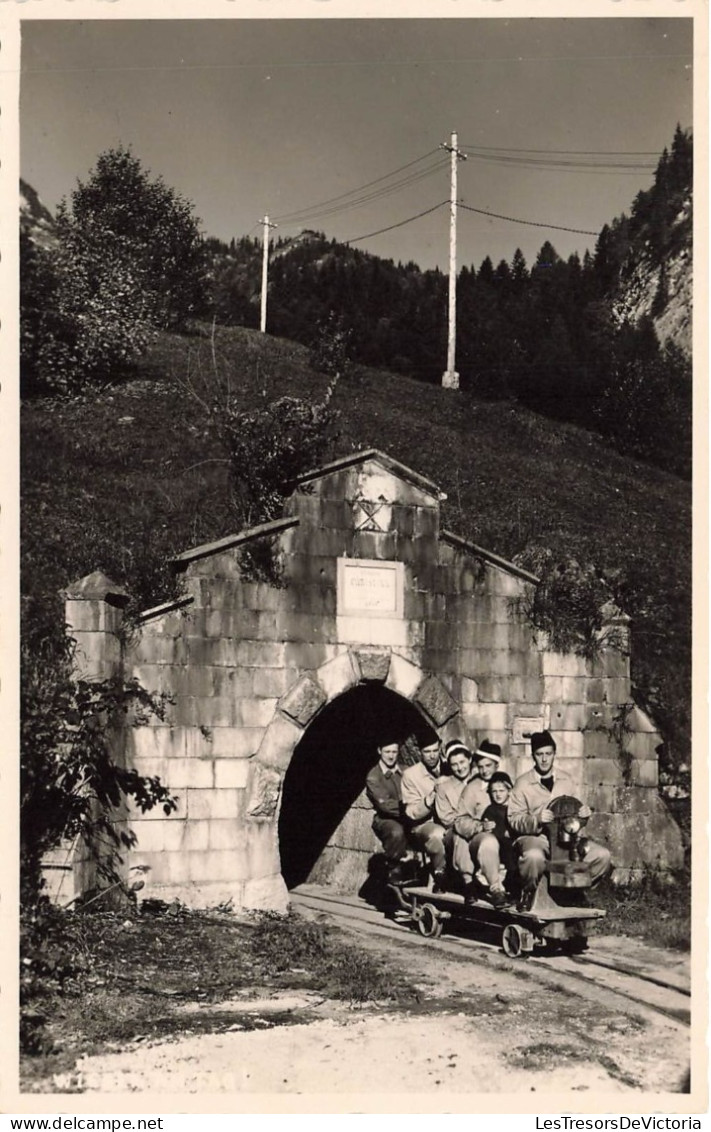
388,462
96,586
276,526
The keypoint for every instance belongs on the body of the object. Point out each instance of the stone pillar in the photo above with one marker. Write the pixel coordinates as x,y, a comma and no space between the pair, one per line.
94,608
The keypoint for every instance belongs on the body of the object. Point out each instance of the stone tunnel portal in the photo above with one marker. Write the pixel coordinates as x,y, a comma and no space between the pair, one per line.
325,834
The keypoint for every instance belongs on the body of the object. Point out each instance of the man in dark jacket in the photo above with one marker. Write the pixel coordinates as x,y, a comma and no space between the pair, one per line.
384,791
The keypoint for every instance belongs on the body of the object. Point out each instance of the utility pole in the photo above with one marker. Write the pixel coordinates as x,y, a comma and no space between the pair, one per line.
450,378
265,264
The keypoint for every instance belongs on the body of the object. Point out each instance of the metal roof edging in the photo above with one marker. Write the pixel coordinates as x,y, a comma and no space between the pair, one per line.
264,530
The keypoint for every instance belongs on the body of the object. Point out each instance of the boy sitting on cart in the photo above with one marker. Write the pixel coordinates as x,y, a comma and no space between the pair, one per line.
499,789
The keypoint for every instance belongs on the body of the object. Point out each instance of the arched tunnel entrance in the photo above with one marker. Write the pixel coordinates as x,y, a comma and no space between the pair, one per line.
325,831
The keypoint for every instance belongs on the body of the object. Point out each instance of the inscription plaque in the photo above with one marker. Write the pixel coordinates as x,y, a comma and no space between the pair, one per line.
367,587
524,726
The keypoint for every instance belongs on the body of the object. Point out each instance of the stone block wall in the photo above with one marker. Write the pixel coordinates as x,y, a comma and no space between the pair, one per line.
372,592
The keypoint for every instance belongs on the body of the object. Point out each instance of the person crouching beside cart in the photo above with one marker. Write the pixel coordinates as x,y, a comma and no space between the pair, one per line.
475,852
529,811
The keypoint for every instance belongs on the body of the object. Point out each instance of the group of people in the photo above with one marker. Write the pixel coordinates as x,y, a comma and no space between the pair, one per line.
467,816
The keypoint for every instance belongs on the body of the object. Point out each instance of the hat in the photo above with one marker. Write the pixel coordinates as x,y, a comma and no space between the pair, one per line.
388,737
500,776
456,747
487,750
541,739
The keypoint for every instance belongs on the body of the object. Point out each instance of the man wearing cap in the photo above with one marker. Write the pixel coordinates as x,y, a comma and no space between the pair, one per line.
418,798
529,811
476,848
383,788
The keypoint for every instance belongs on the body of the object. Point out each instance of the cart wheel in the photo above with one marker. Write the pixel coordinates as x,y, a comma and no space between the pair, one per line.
512,941
428,922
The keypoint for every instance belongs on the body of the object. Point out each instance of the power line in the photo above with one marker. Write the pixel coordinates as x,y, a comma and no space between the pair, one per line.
273,65
358,189
355,239
530,223
368,198
568,152
619,167
378,194
522,158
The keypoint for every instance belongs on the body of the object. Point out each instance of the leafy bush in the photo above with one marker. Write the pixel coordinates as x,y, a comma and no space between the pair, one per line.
269,448
71,785
52,953
569,604
656,907
97,318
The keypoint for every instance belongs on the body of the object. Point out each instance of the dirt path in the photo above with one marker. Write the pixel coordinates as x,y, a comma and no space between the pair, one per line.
479,1027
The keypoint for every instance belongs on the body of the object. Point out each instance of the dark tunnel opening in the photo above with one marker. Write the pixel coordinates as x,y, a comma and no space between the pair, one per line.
328,769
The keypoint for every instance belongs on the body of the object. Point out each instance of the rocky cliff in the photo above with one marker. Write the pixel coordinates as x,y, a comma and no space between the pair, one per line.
662,289
36,221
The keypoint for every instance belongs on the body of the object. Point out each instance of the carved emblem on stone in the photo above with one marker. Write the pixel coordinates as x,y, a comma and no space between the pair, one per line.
372,514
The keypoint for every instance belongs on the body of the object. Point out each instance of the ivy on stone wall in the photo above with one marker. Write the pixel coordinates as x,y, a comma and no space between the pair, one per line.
570,604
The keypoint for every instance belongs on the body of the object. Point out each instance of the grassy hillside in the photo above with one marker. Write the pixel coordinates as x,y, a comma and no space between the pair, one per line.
125,478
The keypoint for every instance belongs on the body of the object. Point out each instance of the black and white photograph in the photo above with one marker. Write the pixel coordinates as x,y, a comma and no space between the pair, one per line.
359,759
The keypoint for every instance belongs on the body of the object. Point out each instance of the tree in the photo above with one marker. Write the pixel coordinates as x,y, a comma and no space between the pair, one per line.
39,310
154,228
486,272
682,160
330,349
646,407
547,257
99,319
128,261
519,271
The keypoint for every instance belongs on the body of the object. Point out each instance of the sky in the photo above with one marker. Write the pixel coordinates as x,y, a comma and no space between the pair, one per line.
335,124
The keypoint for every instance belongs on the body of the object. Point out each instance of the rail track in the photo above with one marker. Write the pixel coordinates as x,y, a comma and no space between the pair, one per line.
594,975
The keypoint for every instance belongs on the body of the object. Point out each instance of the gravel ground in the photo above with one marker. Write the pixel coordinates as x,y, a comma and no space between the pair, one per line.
479,1028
